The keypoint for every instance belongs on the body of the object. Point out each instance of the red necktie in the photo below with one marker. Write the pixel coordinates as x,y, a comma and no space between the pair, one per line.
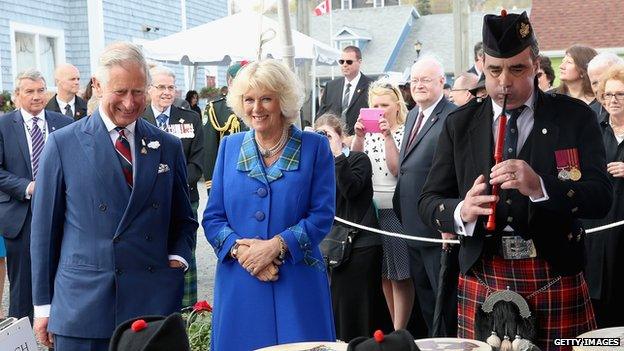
124,155
414,132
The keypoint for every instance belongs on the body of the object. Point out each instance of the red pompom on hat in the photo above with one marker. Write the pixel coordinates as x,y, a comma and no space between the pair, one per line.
379,336
138,325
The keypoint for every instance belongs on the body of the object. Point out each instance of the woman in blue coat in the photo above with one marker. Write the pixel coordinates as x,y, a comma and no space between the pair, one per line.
271,203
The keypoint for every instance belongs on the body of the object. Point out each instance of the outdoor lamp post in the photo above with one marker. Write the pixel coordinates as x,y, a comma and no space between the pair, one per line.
417,47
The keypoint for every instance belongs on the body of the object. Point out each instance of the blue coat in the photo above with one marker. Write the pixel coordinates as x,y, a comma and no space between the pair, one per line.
295,198
100,253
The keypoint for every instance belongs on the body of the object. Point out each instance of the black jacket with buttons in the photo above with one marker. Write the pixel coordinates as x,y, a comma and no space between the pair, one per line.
464,152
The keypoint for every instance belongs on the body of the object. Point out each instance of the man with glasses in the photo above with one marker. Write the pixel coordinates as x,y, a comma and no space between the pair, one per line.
422,130
345,96
553,172
186,125
460,93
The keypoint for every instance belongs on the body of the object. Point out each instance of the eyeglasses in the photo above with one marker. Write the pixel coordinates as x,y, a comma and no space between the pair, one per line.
322,132
619,96
165,87
424,80
390,87
348,62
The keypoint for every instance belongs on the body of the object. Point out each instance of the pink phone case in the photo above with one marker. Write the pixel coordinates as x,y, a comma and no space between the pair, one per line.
370,119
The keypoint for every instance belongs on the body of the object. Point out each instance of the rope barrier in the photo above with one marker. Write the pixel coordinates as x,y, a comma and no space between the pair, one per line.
448,241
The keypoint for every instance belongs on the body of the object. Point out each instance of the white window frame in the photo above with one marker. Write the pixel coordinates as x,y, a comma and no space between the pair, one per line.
59,49
342,4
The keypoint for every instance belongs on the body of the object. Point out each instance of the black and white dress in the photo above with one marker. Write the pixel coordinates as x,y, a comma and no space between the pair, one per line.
396,261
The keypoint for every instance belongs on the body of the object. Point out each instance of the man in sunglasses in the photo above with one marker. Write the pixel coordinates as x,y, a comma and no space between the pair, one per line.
345,96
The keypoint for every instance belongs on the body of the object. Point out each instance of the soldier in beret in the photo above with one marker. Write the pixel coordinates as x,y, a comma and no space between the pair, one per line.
553,172
221,122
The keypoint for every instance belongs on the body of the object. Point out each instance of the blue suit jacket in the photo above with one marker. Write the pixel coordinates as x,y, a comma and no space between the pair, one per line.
15,169
99,251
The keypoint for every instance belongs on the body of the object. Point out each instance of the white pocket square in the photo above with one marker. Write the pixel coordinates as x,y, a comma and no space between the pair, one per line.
162,168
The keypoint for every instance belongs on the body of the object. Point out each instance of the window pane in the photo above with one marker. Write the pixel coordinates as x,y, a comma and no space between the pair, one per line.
335,4
24,52
362,3
47,59
391,2
345,5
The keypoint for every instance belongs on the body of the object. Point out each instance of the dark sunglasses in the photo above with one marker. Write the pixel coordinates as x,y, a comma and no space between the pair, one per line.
342,62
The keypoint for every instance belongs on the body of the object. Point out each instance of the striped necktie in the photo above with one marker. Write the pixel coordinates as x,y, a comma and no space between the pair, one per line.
124,154
36,137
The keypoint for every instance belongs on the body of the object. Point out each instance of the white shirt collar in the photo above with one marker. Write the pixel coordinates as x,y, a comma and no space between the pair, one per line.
354,82
429,110
28,117
110,126
157,112
498,109
62,103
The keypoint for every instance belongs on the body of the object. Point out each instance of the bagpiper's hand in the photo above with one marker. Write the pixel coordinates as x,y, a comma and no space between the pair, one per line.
517,174
616,169
476,203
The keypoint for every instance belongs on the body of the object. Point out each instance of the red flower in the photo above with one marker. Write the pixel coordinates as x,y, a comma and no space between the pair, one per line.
202,306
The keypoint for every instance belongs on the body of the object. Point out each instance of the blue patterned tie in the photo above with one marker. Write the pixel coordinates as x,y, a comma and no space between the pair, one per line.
162,121
36,137
511,134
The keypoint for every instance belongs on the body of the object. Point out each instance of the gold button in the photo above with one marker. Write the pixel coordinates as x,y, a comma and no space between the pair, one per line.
508,201
509,219
574,209
441,207
570,193
438,222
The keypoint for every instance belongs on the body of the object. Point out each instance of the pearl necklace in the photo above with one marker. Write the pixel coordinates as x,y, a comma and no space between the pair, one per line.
269,152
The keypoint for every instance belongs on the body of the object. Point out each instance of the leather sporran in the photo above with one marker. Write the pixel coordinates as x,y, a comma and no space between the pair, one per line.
337,245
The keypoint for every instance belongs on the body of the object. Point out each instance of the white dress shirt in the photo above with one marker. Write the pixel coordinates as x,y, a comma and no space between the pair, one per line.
63,105
525,124
354,82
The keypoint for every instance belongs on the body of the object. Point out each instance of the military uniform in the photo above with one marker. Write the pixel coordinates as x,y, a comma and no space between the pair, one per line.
221,122
537,248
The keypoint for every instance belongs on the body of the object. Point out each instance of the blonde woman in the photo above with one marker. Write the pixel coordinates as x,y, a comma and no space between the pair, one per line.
383,150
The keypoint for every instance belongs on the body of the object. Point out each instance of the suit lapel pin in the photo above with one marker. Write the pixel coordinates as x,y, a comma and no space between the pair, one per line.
143,149
53,128
544,131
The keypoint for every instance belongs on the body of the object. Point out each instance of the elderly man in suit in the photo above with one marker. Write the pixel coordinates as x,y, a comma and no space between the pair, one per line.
66,100
23,133
422,129
345,96
186,125
112,227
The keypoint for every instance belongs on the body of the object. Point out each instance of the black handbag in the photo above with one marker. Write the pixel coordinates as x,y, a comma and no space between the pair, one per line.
337,245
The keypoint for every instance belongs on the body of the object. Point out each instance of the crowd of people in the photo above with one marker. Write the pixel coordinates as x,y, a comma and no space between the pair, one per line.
99,198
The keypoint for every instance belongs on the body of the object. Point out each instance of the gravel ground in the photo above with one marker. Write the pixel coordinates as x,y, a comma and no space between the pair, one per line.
205,256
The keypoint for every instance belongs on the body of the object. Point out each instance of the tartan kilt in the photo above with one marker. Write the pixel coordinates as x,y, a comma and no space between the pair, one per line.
563,310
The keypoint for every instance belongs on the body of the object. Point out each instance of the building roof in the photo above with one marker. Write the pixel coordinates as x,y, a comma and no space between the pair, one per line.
383,26
559,24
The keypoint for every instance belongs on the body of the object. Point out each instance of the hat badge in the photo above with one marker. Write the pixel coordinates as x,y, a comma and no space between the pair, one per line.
524,29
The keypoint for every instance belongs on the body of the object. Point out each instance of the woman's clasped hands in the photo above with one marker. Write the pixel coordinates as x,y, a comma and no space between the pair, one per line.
260,257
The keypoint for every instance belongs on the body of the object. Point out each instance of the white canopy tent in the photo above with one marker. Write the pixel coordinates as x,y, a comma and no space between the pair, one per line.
235,38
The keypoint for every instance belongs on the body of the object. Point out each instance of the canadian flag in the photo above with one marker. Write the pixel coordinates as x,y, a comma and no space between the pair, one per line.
322,8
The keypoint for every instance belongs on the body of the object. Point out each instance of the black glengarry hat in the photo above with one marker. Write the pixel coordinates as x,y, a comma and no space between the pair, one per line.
507,35
151,333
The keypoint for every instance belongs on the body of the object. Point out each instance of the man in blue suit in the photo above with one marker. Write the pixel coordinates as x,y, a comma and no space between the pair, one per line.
22,135
112,223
